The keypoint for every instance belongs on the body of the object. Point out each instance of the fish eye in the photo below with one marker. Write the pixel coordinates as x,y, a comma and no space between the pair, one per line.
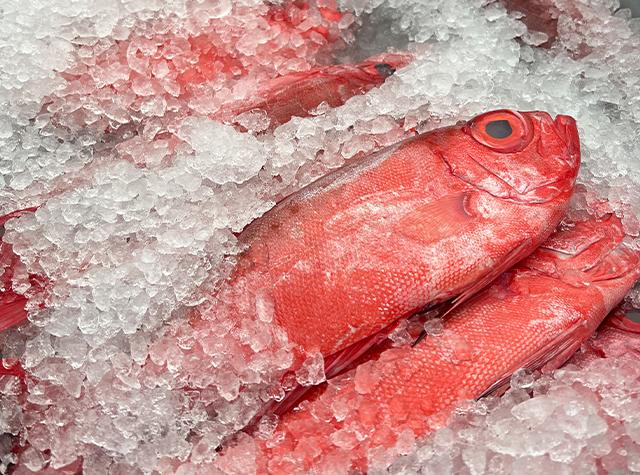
384,69
504,131
498,129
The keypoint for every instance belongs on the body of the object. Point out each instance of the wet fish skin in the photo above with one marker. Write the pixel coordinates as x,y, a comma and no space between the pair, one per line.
534,316
415,224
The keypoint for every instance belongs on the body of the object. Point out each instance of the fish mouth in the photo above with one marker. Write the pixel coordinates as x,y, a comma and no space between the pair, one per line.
567,129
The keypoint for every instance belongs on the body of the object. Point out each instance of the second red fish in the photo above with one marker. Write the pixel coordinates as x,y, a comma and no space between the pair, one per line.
433,218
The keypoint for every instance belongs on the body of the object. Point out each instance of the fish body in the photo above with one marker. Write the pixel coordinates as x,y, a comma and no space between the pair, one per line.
534,316
416,224
299,94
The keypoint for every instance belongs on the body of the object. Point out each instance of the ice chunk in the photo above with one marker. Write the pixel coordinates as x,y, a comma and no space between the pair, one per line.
243,155
312,370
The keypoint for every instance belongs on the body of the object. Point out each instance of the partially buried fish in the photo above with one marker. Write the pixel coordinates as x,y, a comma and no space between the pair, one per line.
291,95
298,94
433,218
534,316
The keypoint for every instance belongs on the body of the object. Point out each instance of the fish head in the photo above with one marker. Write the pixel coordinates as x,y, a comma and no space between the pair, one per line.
590,253
378,68
527,157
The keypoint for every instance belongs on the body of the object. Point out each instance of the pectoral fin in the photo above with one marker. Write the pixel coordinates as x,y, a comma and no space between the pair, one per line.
440,219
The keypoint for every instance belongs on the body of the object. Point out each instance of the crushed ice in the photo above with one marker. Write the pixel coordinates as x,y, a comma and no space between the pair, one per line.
105,126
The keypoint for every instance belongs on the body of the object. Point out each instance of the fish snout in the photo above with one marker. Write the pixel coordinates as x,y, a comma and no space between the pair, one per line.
564,128
567,129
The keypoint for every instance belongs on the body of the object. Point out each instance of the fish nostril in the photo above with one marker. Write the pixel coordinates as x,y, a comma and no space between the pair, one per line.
385,69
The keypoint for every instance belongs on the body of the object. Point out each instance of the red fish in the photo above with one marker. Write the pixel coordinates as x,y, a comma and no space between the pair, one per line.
618,335
430,219
298,94
534,316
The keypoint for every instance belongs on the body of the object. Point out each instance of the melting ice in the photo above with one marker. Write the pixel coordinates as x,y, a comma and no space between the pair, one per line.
105,127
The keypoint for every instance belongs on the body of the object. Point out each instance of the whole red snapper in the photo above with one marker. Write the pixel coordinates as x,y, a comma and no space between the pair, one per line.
430,219
535,316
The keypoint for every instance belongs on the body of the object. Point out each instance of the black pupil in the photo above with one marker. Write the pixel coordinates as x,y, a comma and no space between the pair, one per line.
634,316
385,70
499,129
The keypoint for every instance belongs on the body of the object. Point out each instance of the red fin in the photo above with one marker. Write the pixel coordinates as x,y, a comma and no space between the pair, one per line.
439,219
12,310
551,356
